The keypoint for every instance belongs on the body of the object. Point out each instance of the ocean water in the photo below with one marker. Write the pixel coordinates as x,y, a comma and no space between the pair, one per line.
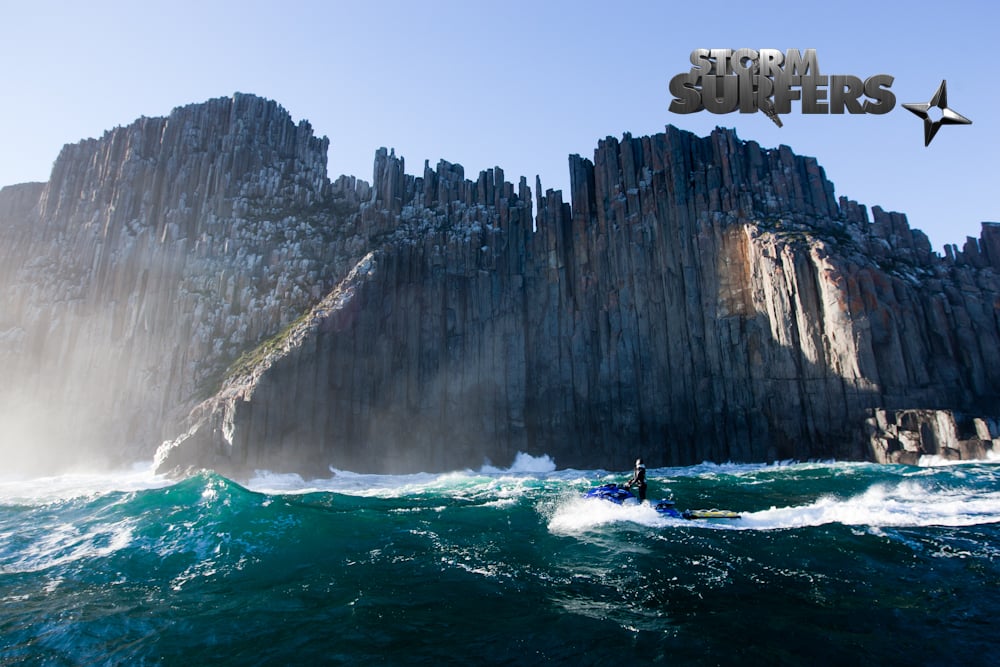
830,564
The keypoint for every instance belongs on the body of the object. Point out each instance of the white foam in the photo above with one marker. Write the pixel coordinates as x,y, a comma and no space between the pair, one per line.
905,504
524,463
340,481
66,543
578,515
935,461
77,485
913,502
524,466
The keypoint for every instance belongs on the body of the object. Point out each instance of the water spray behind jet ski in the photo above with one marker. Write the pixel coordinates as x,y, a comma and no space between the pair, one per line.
620,495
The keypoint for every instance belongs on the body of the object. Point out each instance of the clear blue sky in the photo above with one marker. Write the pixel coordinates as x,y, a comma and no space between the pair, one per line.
515,84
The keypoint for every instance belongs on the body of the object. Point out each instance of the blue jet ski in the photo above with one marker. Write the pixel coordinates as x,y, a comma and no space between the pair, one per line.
614,493
623,496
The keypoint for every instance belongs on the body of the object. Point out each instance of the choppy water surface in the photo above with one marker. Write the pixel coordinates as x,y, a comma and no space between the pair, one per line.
831,563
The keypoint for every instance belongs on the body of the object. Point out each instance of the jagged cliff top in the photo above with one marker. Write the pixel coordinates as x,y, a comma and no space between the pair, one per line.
257,133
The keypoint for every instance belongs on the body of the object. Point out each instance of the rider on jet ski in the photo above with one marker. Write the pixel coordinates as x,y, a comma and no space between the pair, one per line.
638,479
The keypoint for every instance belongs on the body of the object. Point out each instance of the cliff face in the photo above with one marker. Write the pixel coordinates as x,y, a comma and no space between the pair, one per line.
698,298
152,258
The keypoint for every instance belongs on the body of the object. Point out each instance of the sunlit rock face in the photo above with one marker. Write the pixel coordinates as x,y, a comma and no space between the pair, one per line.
153,257
198,279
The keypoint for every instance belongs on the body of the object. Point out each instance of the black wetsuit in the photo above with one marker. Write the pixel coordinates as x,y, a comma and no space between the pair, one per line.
639,479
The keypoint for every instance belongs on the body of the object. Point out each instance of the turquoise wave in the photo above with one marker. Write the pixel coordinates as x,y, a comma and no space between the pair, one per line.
831,563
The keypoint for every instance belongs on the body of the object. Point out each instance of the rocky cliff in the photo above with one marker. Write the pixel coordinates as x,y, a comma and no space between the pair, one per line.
696,299
151,258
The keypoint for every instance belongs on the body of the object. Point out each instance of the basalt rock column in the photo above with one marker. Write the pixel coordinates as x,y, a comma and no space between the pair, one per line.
698,299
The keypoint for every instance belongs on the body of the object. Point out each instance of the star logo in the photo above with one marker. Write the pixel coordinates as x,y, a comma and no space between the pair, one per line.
944,115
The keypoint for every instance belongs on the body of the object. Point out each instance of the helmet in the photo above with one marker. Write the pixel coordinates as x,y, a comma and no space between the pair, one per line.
638,463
